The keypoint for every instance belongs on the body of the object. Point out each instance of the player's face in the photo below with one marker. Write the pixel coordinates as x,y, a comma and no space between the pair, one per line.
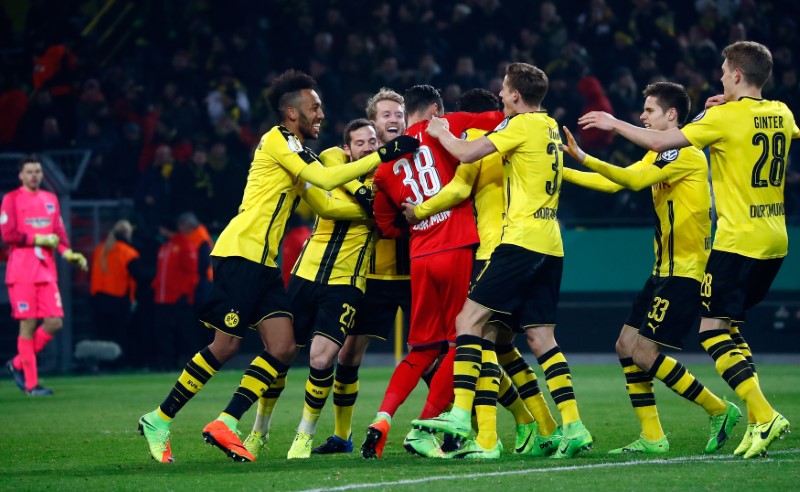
31,175
310,114
509,97
390,119
728,80
653,116
363,142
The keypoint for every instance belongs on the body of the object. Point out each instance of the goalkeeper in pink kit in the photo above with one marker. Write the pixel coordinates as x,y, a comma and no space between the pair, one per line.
30,221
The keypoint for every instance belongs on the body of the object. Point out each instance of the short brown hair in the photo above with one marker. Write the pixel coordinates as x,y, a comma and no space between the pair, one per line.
354,125
385,94
752,59
530,81
670,95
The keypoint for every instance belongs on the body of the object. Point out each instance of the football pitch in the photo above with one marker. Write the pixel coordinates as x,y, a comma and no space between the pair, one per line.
85,438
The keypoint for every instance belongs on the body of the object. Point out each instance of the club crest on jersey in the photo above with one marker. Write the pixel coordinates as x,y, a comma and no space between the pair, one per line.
668,155
22,307
699,116
50,207
294,144
502,124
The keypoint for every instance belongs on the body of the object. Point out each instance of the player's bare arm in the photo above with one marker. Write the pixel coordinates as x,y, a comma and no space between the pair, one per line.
656,140
463,150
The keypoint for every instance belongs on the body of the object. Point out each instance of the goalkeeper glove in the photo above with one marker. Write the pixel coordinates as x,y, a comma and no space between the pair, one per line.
364,197
76,258
48,240
398,147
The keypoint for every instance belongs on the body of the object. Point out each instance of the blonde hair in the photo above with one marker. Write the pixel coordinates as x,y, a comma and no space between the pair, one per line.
385,94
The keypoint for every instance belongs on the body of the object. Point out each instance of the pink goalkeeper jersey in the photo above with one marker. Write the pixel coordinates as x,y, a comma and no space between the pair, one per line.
24,214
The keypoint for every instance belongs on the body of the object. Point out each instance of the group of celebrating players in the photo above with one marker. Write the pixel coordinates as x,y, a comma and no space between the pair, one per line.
457,225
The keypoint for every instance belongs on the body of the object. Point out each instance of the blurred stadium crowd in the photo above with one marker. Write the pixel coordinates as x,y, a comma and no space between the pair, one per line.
170,96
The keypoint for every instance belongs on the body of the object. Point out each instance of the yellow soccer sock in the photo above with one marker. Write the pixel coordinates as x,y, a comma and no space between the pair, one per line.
266,405
195,375
318,387
486,397
639,385
508,396
735,370
466,369
559,383
681,381
527,385
345,392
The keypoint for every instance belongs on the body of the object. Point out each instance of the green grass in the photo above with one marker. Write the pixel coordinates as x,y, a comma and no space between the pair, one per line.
84,438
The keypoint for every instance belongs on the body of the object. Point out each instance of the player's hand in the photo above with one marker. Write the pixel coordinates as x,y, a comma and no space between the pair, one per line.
408,213
597,119
47,240
76,258
714,101
398,147
437,127
364,197
571,147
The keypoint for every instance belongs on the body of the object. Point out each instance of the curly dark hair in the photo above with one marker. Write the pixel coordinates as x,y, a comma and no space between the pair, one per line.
285,89
478,101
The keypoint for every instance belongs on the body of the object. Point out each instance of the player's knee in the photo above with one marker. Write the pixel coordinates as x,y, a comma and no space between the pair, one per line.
224,347
52,325
622,348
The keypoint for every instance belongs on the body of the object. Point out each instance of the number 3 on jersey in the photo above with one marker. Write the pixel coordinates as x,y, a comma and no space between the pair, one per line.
425,182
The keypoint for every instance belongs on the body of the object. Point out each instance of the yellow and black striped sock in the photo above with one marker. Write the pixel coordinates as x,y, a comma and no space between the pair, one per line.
257,379
508,396
525,380
744,348
640,390
486,397
681,381
735,370
559,383
195,375
345,392
466,369
266,404
318,387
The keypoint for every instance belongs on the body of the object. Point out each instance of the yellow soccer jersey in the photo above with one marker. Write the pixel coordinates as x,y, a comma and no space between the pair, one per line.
683,213
532,162
487,194
337,252
749,142
270,195
389,259
484,180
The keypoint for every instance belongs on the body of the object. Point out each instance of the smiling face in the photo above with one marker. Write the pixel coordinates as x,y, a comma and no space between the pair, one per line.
363,142
31,176
389,119
653,116
309,114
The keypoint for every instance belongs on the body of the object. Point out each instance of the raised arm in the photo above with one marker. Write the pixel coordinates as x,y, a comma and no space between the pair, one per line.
656,140
463,150
634,177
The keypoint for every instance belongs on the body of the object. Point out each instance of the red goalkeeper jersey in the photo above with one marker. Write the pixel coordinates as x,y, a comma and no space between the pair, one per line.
418,176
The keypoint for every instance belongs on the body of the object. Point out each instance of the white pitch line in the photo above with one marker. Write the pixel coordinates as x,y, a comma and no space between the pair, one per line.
668,461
